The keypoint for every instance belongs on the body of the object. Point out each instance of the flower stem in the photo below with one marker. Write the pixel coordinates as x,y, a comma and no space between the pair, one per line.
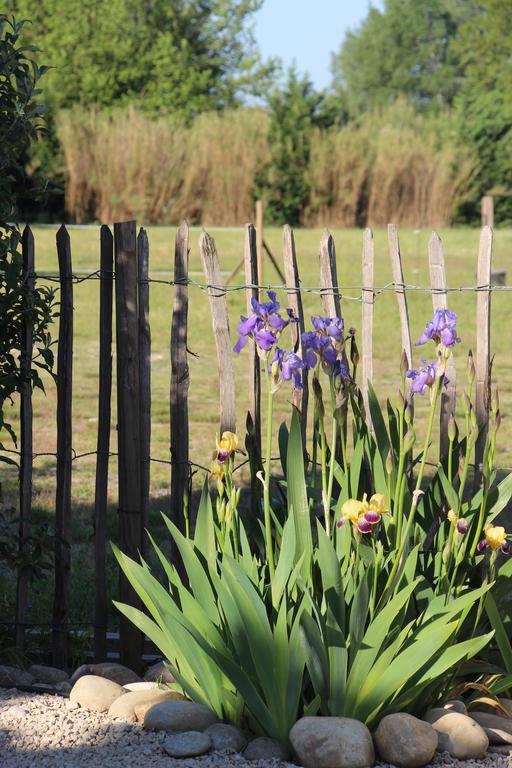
416,494
266,487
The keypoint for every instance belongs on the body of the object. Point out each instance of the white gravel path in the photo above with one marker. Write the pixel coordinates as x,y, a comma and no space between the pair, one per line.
44,731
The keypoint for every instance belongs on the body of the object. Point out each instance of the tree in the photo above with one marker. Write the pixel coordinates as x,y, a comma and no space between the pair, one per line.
167,55
406,49
20,123
485,101
295,109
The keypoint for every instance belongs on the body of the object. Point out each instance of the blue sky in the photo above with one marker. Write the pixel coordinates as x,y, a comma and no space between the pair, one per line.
307,31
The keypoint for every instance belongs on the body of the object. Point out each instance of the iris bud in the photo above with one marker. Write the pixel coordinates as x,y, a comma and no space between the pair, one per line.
470,368
404,363
389,462
452,428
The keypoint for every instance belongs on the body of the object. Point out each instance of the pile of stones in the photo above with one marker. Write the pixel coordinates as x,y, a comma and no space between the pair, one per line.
192,729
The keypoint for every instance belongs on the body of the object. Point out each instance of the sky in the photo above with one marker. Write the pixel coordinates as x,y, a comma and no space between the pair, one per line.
307,31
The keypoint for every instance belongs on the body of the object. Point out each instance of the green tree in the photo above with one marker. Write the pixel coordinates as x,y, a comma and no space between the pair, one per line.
295,109
485,102
20,123
406,49
167,55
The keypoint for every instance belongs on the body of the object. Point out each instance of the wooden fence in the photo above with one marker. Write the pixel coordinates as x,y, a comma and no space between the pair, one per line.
124,263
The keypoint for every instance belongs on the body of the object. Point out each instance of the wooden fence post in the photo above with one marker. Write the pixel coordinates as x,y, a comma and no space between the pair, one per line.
401,297
487,211
253,439
483,344
259,245
64,452
128,428
291,272
439,301
145,380
180,381
26,434
103,442
367,306
329,277
220,322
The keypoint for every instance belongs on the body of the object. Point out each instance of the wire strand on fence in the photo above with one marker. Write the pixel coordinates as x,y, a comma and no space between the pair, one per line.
372,292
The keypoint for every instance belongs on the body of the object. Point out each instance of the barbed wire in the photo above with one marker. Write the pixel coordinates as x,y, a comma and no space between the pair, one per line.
191,464
367,294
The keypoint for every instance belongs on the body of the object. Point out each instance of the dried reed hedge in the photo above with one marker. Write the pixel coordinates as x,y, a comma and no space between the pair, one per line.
393,165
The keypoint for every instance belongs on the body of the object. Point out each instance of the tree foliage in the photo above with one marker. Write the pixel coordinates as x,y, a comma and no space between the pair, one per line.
165,55
295,110
406,49
20,122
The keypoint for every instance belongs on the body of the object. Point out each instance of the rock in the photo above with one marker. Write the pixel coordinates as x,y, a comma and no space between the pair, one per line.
17,712
12,676
497,727
179,716
72,704
403,740
95,693
64,687
226,738
332,742
501,750
159,673
455,705
501,707
187,744
51,675
84,669
264,748
116,672
459,735
123,708
143,686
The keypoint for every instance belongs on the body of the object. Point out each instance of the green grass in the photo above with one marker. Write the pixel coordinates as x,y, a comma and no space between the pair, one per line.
460,246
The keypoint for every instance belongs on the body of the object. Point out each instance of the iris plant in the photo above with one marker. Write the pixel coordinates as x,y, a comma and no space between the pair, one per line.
264,327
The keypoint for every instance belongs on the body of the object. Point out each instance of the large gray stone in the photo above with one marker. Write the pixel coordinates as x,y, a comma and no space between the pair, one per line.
332,742
83,669
179,716
124,707
116,672
264,748
95,693
13,676
49,675
497,728
403,740
226,738
158,673
187,744
455,705
458,734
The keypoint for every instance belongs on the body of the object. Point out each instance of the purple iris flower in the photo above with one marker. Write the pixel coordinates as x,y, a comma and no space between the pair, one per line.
364,526
423,378
324,342
441,329
264,325
462,526
290,366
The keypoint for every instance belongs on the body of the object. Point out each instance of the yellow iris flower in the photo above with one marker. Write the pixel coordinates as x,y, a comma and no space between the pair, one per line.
495,536
217,468
228,442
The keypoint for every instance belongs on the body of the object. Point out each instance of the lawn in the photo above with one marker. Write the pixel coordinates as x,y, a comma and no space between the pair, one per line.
460,247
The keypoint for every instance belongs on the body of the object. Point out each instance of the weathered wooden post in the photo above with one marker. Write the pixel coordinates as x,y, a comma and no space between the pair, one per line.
64,453
26,435
103,442
128,426
180,381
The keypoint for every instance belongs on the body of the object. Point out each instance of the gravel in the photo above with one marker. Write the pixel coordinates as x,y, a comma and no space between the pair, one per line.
51,732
